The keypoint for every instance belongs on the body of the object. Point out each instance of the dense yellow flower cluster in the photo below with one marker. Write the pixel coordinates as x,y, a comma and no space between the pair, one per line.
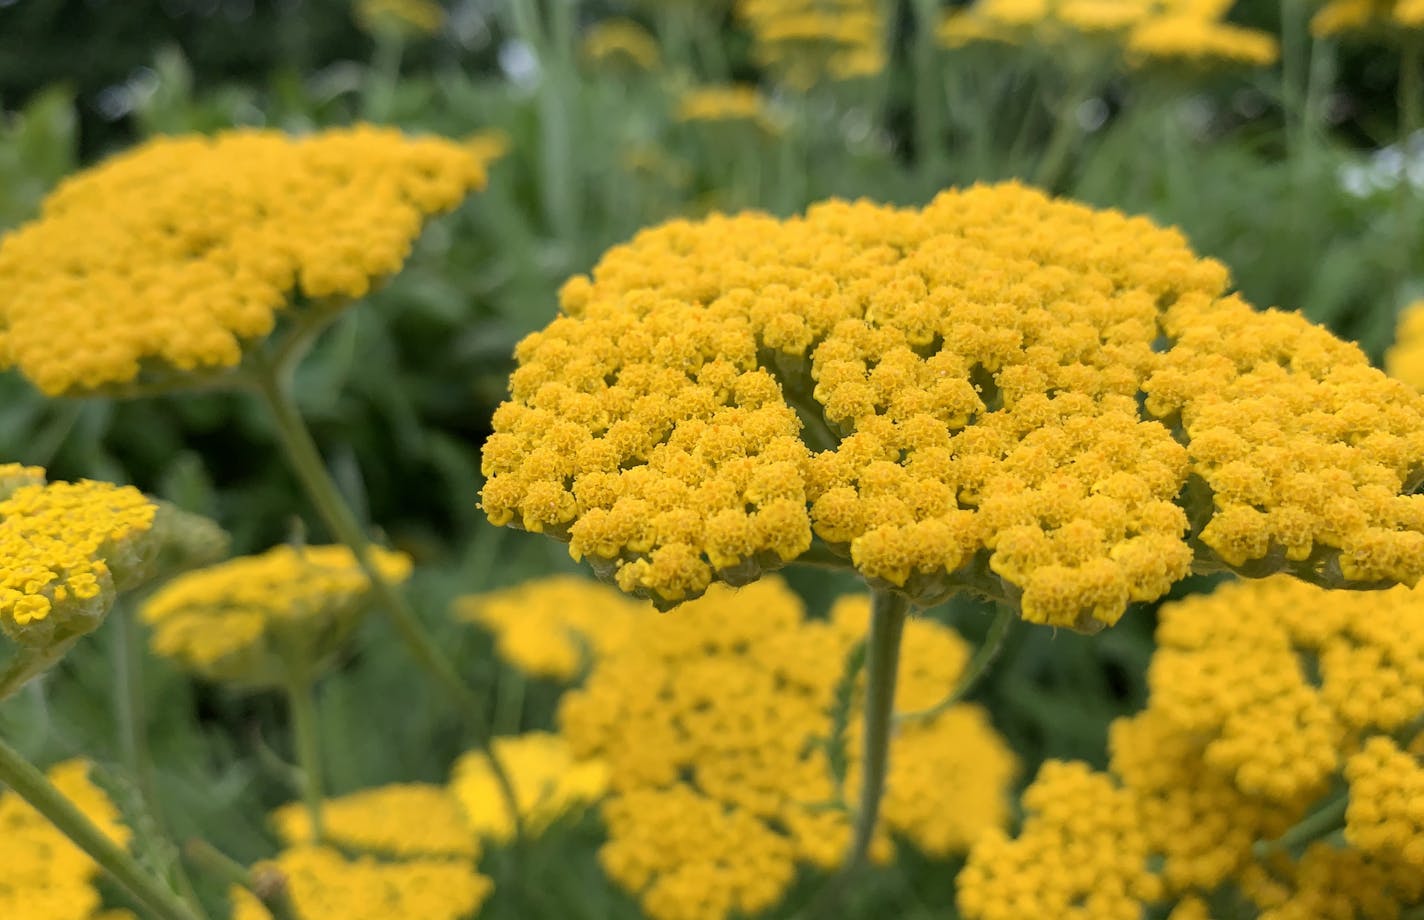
322,884
122,279
547,779
44,876
553,627
1141,31
715,726
1405,358
620,42
403,821
722,104
67,548
999,391
1266,698
806,42
1384,18
253,619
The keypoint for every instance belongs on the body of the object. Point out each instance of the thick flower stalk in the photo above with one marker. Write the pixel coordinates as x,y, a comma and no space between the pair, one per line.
1055,407
730,737
1138,32
68,550
1280,757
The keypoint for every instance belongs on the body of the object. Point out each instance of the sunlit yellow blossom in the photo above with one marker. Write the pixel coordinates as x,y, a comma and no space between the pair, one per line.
1199,41
806,42
412,17
323,884
999,391
124,279
44,876
720,104
1405,358
548,781
620,42
717,727
554,626
67,549
1386,811
253,619
1384,19
1081,853
402,821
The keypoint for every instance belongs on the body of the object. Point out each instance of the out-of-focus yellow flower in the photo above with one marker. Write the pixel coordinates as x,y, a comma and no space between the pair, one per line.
401,821
1385,19
67,549
404,17
323,884
999,392
555,626
43,875
1405,358
1191,40
547,778
160,266
722,104
717,726
254,619
620,43
806,42
1267,699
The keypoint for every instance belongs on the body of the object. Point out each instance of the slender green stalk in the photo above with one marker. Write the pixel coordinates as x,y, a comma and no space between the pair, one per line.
1321,823
267,885
929,103
1067,131
1294,44
32,786
882,666
301,701
1411,88
383,75
983,658
128,697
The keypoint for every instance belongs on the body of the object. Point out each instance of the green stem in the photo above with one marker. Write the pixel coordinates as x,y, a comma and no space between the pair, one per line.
1411,87
1322,823
929,108
1293,44
978,666
267,885
1066,132
128,697
384,75
301,701
882,665
32,786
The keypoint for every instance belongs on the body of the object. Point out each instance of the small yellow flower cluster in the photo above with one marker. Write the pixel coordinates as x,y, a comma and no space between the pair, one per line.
1385,817
408,17
67,549
122,280
1080,854
322,883
719,105
254,619
1386,19
547,779
993,392
44,876
1266,697
807,42
1141,31
620,43
1405,358
400,821
553,627
717,728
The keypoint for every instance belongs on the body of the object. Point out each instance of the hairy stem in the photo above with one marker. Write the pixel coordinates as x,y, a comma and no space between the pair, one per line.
31,785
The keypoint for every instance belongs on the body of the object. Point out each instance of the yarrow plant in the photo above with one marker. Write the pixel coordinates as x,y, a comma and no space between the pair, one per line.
1058,409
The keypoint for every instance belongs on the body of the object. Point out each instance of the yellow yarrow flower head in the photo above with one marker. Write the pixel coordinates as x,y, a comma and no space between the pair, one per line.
43,875
162,266
1405,358
68,548
720,106
398,821
553,627
809,42
1385,817
404,18
1194,41
254,619
719,730
547,778
322,883
1001,392
620,43
1386,20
